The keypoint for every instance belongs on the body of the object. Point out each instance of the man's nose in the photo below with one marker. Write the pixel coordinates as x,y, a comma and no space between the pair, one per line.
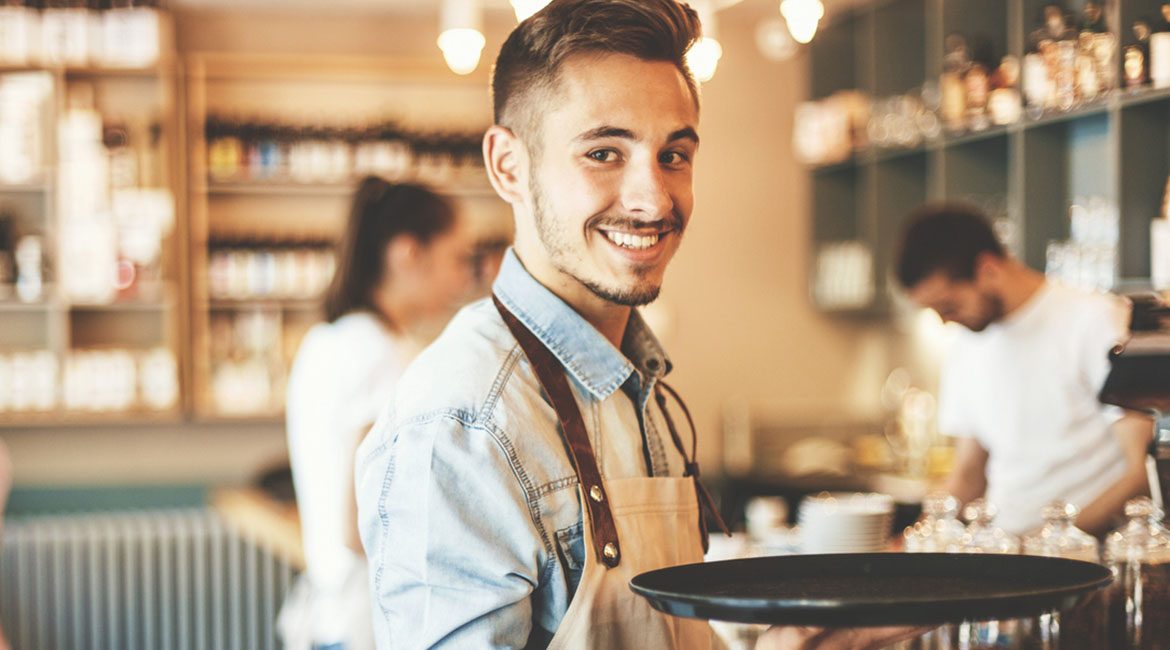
645,191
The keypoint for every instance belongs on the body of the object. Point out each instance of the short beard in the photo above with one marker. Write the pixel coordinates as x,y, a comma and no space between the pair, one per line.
558,250
992,312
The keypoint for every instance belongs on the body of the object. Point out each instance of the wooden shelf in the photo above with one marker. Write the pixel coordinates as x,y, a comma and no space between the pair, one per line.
13,306
284,304
124,306
258,418
219,188
85,419
25,188
154,71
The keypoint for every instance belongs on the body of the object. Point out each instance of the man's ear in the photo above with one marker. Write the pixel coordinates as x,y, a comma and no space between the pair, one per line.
988,269
506,160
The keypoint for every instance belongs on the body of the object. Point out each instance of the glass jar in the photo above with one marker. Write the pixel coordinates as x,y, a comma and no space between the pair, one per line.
939,529
983,536
1138,553
1083,626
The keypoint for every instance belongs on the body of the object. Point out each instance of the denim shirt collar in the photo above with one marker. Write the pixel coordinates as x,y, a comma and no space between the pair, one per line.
587,355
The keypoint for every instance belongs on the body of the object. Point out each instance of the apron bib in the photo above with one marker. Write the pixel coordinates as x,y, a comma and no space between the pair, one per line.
631,525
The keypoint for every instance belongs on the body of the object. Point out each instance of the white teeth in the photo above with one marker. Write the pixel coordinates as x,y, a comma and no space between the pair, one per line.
636,242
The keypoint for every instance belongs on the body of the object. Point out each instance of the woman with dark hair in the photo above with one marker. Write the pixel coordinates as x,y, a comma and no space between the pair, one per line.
403,264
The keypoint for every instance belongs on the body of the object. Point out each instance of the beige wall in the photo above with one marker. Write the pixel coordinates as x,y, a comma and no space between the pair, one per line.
743,322
737,318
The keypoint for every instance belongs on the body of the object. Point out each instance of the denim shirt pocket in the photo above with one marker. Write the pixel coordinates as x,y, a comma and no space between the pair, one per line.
571,552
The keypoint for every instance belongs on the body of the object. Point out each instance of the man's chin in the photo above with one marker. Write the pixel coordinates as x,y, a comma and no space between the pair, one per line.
635,296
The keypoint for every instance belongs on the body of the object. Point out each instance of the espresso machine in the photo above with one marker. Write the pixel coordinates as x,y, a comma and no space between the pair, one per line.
1140,381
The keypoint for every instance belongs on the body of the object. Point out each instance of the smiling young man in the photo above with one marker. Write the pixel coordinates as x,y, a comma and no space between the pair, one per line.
486,523
529,468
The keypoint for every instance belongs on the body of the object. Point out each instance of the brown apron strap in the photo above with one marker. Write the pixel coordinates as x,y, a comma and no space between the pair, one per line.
552,378
706,503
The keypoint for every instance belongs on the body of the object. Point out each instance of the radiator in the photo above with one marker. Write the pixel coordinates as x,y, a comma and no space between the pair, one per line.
146,580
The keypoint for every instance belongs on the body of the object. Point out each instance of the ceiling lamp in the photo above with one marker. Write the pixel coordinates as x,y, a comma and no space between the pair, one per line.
461,38
525,8
703,57
774,40
803,17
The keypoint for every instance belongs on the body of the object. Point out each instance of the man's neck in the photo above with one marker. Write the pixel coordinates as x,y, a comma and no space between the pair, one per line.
1023,284
606,317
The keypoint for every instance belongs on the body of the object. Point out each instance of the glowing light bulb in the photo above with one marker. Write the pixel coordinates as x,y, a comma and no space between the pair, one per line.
525,8
461,39
703,58
462,48
802,17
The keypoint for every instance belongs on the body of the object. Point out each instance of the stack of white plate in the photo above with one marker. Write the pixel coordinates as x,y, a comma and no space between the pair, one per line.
845,523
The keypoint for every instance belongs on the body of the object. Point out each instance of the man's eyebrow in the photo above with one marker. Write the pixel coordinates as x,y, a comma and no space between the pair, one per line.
602,132
685,133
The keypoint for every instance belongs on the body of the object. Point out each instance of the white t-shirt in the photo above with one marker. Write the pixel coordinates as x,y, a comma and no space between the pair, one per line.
1026,389
344,375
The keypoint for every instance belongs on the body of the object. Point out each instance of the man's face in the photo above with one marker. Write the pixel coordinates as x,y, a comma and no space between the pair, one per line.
958,301
611,176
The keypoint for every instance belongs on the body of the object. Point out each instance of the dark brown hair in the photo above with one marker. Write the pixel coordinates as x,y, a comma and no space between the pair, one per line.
381,211
947,237
530,60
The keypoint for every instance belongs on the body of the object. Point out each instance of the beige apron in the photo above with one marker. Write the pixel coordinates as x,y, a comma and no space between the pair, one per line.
657,522
631,525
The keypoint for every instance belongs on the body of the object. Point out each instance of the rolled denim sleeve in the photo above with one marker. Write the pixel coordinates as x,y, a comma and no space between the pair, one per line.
453,550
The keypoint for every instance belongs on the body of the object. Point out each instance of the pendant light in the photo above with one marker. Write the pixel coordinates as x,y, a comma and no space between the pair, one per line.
461,38
803,17
525,8
703,57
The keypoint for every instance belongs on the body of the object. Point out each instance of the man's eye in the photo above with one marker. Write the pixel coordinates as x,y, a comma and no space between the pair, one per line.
673,158
603,155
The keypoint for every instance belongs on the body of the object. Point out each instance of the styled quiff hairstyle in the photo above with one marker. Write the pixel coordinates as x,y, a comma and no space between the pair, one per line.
530,60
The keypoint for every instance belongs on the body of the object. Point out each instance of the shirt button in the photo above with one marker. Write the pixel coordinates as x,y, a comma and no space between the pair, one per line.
610,551
596,494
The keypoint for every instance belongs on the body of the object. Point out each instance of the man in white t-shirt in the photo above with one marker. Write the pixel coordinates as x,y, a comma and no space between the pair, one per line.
1019,387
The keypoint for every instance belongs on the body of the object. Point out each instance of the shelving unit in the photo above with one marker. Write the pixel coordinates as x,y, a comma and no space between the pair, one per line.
1117,147
339,92
136,98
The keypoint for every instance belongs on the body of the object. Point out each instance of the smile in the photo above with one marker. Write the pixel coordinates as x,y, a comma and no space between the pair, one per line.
633,241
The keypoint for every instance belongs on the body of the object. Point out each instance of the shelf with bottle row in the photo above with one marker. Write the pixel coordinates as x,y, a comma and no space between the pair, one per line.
271,183
1118,101
1104,142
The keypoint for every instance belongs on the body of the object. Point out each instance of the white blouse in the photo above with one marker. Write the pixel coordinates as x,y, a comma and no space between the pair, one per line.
344,375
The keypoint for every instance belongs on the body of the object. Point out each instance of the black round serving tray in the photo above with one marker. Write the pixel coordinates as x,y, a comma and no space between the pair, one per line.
871,589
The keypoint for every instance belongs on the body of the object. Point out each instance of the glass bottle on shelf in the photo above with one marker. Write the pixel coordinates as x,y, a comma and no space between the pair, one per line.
1093,18
20,32
1084,626
983,536
953,93
224,150
1138,553
66,33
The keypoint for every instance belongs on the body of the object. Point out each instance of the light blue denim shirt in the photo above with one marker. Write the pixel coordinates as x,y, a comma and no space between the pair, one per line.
467,502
